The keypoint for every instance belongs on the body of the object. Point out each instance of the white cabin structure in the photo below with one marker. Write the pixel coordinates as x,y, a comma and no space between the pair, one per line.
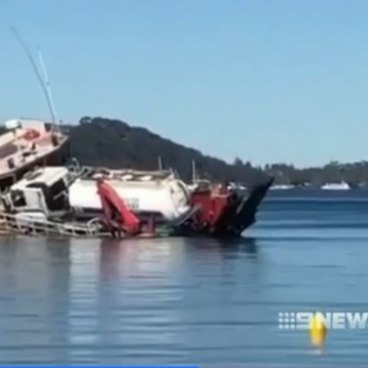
27,143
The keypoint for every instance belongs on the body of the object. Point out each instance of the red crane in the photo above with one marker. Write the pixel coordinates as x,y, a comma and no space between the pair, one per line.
117,215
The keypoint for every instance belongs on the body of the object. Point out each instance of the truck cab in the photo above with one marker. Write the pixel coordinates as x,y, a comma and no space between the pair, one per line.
41,194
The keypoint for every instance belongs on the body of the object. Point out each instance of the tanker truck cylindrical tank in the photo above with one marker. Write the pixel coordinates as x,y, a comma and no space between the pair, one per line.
169,198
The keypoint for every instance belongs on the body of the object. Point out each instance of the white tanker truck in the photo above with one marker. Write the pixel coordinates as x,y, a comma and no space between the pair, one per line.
133,201
156,194
55,192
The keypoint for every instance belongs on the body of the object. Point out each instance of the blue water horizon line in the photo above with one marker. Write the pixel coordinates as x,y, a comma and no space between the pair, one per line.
101,366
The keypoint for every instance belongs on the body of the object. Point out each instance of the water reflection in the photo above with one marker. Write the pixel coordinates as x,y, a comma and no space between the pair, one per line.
57,252
138,297
133,258
111,251
163,258
179,301
103,301
247,245
225,247
34,301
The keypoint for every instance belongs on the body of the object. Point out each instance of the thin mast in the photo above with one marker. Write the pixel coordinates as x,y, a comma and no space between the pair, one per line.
47,87
37,72
194,173
159,161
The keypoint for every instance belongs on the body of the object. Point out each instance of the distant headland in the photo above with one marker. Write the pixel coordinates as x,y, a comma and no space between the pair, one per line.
114,143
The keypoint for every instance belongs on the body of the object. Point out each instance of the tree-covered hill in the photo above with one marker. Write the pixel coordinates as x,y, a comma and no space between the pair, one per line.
114,143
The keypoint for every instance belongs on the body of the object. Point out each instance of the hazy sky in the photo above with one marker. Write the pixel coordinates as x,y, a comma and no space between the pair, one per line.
265,80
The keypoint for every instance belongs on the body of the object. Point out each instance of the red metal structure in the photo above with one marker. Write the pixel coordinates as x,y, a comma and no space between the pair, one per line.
223,212
212,204
31,135
117,215
214,212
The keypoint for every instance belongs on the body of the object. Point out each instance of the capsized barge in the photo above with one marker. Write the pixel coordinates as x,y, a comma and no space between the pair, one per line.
94,202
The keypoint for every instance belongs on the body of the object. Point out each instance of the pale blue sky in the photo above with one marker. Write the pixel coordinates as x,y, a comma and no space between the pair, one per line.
268,81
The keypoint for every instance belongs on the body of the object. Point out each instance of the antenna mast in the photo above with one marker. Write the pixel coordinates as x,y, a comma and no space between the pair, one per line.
159,161
194,172
47,87
43,82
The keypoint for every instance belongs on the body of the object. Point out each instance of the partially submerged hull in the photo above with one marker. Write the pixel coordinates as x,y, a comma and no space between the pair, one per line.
226,214
43,201
212,213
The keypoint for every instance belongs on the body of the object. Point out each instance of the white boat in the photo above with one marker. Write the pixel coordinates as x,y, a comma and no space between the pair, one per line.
281,187
57,192
236,186
26,144
336,186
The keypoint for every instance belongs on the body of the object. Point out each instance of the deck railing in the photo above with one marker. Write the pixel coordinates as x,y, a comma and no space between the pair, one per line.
12,224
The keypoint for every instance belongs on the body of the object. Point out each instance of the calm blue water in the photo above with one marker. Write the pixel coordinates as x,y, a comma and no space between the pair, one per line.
179,301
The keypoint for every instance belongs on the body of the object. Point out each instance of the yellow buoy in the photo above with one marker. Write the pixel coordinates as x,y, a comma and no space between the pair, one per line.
317,330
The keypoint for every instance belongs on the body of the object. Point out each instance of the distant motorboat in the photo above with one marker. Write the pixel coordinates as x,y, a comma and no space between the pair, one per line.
282,187
336,186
